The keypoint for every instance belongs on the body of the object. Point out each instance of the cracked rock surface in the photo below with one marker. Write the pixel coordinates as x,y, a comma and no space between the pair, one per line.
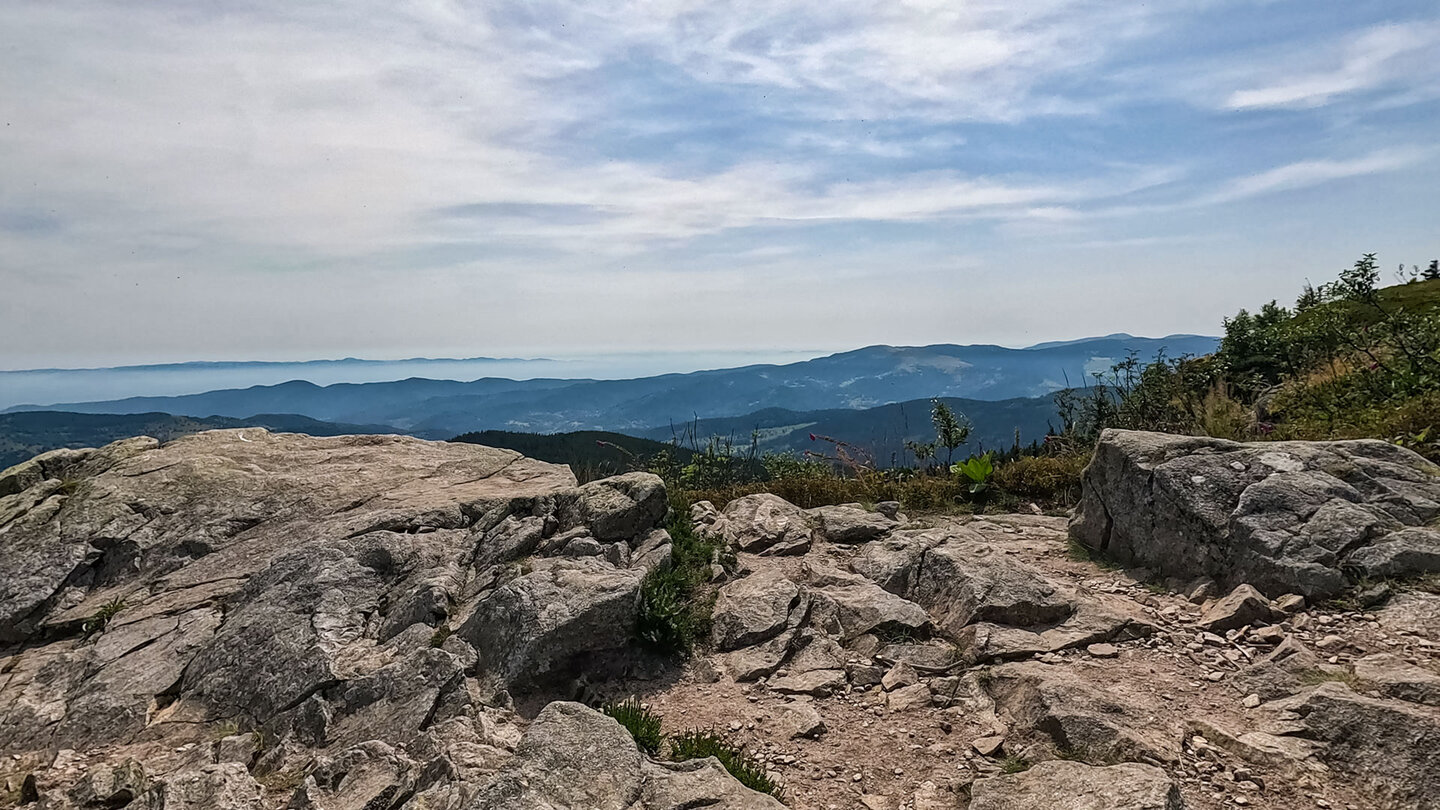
240,619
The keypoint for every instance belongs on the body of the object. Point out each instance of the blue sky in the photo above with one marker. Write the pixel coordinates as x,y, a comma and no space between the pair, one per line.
279,180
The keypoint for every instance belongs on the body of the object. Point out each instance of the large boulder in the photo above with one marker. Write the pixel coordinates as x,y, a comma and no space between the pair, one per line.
1301,517
1077,786
298,605
851,524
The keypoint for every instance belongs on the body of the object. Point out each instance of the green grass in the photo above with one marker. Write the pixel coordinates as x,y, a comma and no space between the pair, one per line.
675,601
1079,552
1014,764
643,724
698,744
98,621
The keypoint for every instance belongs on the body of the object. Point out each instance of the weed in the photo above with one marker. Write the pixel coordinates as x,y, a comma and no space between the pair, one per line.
101,618
1014,764
675,605
223,729
643,724
698,744
437,638
1315,677
69,486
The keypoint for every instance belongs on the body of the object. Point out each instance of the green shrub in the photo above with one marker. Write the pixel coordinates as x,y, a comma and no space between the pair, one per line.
1045,478
675,604
643,724
748,771
977,471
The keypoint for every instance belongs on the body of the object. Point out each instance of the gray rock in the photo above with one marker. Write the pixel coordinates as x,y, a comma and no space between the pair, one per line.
1391,676
1391,747
1407,552
899,676
1077,786
755,523
753,609
623,507
1301,517
909,698
1094,720
225,786
818,683
846,524
573,757
961,583
545,619
1282,672
1240,607
798,720
862,607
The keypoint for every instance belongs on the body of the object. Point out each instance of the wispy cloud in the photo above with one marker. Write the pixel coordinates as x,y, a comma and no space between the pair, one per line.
1381,56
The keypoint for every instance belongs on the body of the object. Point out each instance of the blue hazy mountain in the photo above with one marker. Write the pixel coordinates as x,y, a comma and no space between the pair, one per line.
860,379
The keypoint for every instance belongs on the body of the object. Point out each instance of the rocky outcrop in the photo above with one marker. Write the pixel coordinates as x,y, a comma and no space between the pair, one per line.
1077,786
236,608
574,757
1304,517
1392,747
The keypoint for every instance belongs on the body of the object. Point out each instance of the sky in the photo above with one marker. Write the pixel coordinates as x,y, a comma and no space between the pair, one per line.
276,180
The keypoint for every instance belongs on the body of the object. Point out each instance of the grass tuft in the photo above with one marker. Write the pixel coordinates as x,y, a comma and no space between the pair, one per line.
1014,764
748,771
97,622
675,604
643,724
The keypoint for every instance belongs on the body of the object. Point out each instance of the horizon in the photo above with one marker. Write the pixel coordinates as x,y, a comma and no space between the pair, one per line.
382,179
580,357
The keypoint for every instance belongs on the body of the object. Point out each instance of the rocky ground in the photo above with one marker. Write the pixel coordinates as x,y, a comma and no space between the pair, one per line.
241,619
1204,705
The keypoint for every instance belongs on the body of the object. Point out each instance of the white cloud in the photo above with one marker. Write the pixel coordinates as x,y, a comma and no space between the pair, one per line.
1379,56
1306,173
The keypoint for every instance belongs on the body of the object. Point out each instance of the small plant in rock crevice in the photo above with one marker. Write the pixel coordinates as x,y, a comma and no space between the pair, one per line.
1014,764
98,621
673,614
643,724
748,771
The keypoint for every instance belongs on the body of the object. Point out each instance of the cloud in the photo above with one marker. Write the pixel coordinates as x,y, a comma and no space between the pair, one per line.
1379,56
337,157
1307,173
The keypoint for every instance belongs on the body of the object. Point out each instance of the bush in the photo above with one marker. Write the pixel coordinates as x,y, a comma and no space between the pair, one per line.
1046,478
643,724
674,610
746,769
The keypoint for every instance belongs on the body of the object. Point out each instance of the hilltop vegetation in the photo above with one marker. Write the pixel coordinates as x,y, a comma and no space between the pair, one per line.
1349,360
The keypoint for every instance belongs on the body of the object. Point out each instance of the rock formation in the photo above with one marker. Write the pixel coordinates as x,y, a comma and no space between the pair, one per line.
245,620
1310,518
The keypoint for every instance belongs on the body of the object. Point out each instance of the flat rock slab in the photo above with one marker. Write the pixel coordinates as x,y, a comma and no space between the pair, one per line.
1077,786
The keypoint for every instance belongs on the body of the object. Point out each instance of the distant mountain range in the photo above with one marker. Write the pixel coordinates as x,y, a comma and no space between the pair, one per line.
856,380
30,433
